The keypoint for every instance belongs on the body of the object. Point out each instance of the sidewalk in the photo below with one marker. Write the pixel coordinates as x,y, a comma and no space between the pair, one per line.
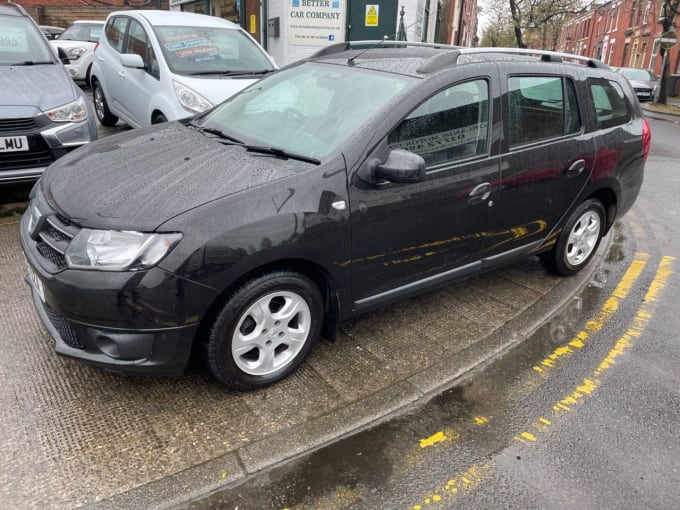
672,107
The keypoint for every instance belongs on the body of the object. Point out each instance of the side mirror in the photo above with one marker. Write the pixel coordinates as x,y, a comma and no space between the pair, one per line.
132,60
62,56
401,166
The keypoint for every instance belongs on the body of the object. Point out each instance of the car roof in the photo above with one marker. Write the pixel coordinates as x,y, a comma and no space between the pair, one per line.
88,21
12,9
418,59
178,18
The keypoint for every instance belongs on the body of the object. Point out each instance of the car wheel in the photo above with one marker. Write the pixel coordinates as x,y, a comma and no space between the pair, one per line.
101,108
158,118
578,240
265,330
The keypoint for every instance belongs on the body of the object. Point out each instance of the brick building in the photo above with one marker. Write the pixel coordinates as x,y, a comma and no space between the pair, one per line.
61,13
621,33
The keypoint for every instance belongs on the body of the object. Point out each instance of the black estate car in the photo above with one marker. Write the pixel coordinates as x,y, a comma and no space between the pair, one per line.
360,176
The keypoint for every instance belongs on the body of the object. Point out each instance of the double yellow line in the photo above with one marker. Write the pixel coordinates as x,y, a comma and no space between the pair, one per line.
466,481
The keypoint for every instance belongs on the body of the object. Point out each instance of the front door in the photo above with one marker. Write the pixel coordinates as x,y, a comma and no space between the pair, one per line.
371,20
410,237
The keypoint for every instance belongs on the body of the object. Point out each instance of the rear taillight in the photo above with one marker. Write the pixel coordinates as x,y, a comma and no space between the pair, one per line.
95,47
646,139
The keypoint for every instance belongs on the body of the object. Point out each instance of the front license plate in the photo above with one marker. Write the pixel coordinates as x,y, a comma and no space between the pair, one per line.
37,284
13,143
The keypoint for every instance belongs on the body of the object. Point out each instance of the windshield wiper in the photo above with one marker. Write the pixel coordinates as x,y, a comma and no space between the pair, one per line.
231,73
274,151
280,153
216,132
32,63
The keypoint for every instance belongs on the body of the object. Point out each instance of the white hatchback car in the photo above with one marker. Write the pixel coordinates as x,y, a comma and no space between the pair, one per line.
154,66
79,41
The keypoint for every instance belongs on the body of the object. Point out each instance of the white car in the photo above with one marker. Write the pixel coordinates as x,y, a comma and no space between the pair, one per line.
79,41
154,66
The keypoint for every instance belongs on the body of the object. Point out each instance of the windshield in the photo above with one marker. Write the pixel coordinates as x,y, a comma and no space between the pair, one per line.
638,74
308,109
82,32
209,50
21,43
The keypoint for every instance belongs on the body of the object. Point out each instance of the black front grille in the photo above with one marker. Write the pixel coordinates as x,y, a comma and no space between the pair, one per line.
54,236
66,332
17,125
38,154
57,259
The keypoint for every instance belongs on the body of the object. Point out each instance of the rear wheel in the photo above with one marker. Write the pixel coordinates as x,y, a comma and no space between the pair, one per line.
578,241
101,108
265,330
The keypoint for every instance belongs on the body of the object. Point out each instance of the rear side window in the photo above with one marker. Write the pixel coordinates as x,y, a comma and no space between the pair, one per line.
449,126
611,106
115,32
541,107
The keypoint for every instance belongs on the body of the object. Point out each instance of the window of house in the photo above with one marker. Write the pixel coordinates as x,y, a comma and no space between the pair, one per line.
450,126
611,107
541,107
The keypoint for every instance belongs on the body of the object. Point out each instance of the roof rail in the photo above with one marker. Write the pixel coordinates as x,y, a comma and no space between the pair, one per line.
385,43
546,56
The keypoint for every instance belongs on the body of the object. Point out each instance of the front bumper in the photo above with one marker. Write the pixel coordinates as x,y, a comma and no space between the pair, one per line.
140,322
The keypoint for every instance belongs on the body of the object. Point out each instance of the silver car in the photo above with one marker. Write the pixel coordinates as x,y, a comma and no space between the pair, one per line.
43,113
645,82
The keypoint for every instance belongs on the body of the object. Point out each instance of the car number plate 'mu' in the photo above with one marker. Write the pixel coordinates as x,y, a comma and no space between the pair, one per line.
13,143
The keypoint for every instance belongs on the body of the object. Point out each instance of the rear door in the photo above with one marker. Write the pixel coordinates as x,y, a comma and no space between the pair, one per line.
547,162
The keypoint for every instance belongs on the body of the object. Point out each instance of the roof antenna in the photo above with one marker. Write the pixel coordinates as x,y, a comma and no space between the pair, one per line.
400,35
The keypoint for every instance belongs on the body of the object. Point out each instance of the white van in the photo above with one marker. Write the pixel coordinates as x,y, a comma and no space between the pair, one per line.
154,66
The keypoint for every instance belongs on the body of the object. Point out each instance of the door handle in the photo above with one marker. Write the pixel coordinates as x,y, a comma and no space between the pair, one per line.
576,168
122,74
480,193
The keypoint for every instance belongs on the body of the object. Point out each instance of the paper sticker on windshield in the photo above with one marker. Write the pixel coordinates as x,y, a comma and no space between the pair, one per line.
198,49
13,40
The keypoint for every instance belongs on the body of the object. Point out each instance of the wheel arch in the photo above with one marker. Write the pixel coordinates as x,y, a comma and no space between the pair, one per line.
320,276
609,200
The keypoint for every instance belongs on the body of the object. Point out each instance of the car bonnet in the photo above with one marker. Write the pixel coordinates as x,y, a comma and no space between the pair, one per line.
139,179
43,86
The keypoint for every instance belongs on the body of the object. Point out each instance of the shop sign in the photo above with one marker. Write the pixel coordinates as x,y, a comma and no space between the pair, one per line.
316,22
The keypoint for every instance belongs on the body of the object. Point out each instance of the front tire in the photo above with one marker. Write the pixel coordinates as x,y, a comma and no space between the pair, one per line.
578,240
101,107
265,330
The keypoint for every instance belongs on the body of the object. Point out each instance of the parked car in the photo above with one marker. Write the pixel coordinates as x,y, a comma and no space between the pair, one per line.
346,181
78,42
51,32
644,82
154,66
43,113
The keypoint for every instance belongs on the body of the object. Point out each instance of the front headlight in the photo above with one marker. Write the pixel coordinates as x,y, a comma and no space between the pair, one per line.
112,250
190,99
75,53
72,112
